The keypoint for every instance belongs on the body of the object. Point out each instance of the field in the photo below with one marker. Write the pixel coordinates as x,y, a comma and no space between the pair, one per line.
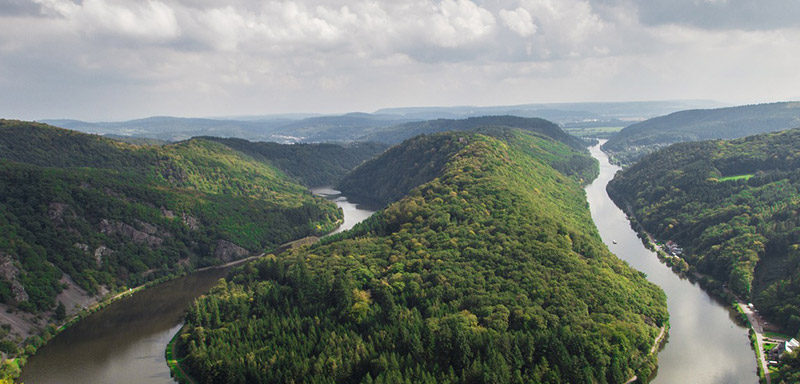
595,132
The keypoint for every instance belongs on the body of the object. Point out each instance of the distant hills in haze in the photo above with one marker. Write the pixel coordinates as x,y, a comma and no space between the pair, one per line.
701,124
557,112
278,129
293,128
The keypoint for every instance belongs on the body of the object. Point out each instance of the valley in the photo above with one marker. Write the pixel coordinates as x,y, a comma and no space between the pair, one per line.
129,337
446,201
383,192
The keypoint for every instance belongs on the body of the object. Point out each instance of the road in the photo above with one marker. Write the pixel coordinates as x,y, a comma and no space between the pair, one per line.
755,323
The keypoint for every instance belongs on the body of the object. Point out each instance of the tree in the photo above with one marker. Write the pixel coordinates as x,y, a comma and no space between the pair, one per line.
61,312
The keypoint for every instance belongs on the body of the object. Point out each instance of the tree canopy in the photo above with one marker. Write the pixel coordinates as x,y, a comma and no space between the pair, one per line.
488,271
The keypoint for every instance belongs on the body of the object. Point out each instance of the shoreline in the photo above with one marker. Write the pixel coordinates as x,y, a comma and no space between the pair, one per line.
52,330
719,292
176,371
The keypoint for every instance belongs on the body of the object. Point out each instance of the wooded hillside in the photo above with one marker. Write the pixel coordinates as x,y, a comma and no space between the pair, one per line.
489,272
733,205
642,138
100,214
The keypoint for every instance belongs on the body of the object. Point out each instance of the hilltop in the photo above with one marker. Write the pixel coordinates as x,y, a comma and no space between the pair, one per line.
489,270
639,139
395,135
422,158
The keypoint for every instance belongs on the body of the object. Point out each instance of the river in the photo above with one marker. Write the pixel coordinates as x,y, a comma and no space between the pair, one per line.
125,342
705,345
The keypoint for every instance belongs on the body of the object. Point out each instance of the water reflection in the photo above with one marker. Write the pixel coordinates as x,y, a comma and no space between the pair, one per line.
705,345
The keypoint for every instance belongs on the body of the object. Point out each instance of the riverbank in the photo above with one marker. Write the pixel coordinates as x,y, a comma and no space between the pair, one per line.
176,371
353,214
704,344
679,266
127,342
14,366
658,343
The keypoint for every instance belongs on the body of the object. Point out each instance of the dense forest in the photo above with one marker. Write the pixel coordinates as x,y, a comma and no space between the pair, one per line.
81,209
422,159
490,271
733,206
642,138
397,134
313,165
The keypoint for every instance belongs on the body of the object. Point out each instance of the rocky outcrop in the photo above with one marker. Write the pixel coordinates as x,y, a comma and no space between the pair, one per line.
227,251
111,227
10,273
74,297
167,213
101,252
147,228
57,211
190,222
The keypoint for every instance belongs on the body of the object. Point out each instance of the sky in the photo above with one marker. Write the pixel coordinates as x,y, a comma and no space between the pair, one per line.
121,59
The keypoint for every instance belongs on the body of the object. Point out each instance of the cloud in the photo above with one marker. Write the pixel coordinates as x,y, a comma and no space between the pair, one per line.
150,20
19,8
721,14
519,21
458,22
133,58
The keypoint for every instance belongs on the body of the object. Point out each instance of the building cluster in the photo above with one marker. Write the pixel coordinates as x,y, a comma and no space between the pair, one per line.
784,347
672,248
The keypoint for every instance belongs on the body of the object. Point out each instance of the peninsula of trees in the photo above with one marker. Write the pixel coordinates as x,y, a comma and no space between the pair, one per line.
486,269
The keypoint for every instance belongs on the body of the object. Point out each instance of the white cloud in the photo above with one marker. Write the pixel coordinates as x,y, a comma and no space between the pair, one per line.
457,22
150,20
247,56
519,21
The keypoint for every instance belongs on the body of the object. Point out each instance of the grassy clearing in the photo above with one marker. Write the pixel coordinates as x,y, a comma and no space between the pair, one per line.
776,335
736,177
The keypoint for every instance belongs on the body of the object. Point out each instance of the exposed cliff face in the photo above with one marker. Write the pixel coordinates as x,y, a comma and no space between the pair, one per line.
10,273
227,251
111,227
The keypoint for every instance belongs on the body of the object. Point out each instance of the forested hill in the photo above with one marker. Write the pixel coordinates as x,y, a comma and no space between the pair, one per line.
733,206
88,213
421,159
397,134
642,138
491,272
313,165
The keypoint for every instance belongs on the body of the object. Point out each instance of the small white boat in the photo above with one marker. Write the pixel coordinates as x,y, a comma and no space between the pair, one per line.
614,241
